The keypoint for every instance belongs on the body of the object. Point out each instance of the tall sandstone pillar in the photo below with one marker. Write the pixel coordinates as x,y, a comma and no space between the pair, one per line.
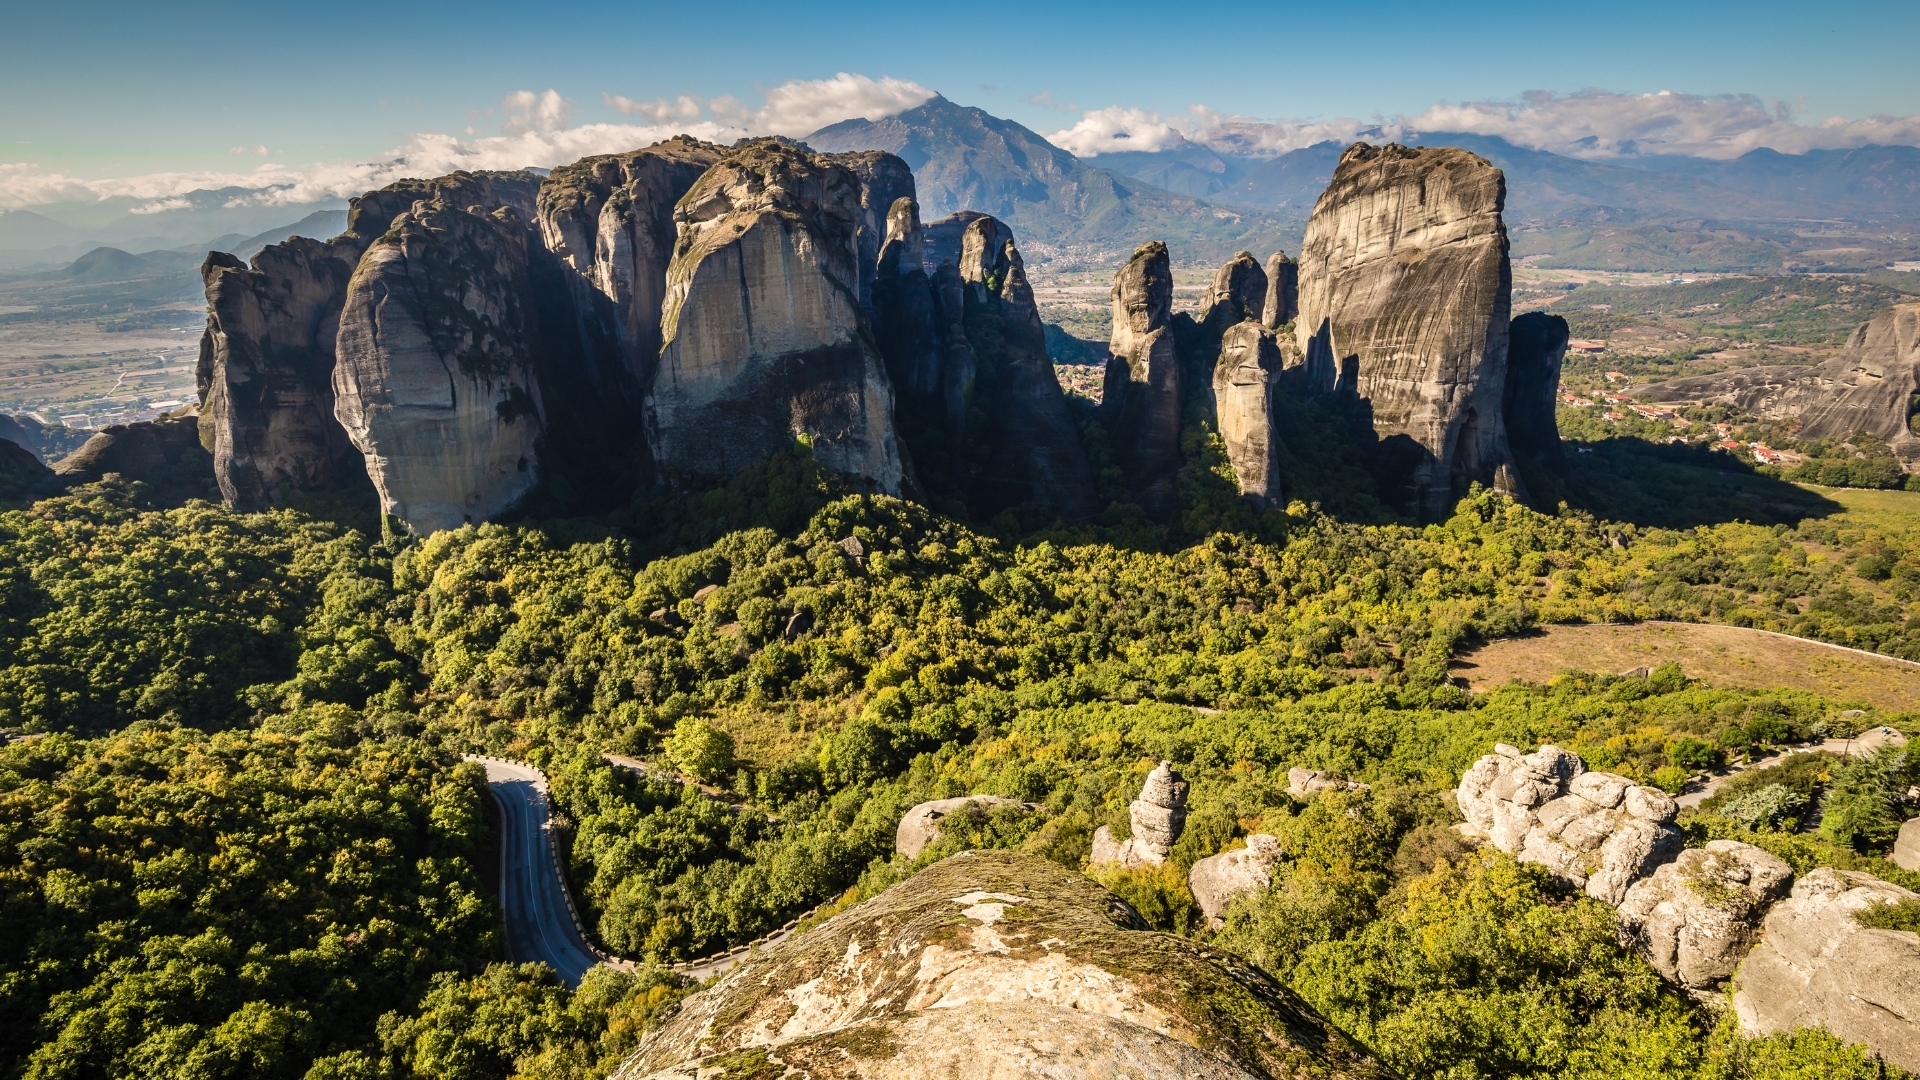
1404,302
1142,396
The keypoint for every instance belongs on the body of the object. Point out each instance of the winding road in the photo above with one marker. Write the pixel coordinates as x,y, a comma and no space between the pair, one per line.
533,896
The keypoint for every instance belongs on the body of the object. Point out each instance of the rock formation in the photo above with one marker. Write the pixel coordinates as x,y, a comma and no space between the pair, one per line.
764,337
1217,879
609,220
22,476
1596,831
266,370
1142,395
884,180
1817,965
1866,388
164,454
921,825
1695,918
1156,817
433,378
992,964
1283,291
1404,295
1537,344
1906,848
1243,383
40,440
1238,294
371,215
1306,783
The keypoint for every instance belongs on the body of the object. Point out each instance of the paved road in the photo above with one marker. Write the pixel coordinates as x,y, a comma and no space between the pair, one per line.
540,924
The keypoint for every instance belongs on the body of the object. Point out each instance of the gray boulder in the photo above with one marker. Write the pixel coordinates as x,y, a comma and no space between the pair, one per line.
1306,783
1157,818
1906,848
921,825
1817,965
1695,918
1217,879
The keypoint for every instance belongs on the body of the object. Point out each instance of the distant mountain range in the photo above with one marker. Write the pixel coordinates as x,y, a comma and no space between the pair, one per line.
203,221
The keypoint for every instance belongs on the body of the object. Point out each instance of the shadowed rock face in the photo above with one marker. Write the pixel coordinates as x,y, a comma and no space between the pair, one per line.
1537,346
1239,293
988,964
1142,396
433,380
266,371
1035,452
1283,291
765,340
1243,382
1404,295
22,476
609,220
1865,388
903,303
165,454
884,180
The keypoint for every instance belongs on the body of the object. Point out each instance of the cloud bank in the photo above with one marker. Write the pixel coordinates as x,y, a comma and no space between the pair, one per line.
1592,124
537,132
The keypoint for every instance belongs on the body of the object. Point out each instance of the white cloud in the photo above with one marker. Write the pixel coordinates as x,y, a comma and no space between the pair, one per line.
1589,124
1046,100
537,132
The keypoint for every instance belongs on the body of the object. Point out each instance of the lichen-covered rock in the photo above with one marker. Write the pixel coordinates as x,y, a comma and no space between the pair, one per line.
1866,388
921,825
433,380
1283,291
1306,783
1536,346
1596,831
764,337
1217,879
164,454
1142,393
609,220
1156,818
992,964
1906,847
1404,296
1817,965
266,371
1243,382
1695,918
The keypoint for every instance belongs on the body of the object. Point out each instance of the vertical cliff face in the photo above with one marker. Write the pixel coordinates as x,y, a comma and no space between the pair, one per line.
1536,346
1243,382
433,378
609,221
266,371
903,306
1142,397
765,340
1283,291
1033,451
1404,296
884,180
1239,293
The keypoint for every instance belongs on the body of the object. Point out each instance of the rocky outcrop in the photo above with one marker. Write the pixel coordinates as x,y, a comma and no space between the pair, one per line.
1695,918
1596,831
1157,818
164,454
1866,388
1404,296
1536,346
1818,965
1906,847
1142,395
1306,783
996,964
22,476
609,221
266,371
434,375
1283,291
1249,366
921,825
764,338
1238,294
1217,879
884,180
370,216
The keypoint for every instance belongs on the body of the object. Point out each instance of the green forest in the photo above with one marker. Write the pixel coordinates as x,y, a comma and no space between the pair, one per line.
237,838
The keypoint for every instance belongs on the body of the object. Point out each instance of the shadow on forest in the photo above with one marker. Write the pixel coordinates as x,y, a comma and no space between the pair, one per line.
1671,486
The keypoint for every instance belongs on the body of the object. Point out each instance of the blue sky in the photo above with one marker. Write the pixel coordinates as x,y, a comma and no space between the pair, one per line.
118,89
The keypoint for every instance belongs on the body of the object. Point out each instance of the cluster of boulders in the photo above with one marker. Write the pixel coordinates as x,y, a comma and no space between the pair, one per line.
1796,953
1157,818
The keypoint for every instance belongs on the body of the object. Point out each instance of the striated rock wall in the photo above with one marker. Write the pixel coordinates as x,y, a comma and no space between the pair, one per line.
1243,381
992,963
1142,396
764,337
434,377
1404,297
1866,388
1537,345
266,371
1283,291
